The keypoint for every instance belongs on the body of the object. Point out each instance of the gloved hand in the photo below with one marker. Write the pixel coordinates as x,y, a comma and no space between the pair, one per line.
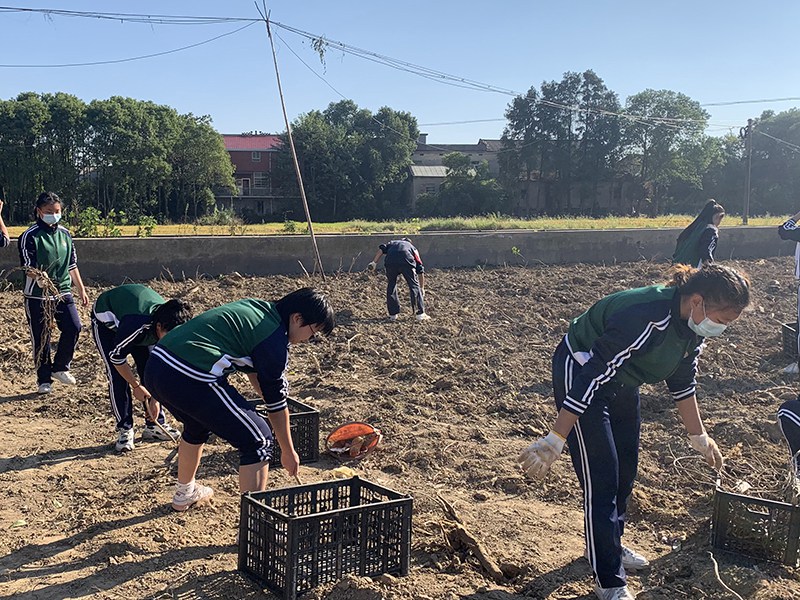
43,280
371,266
537,458
708,448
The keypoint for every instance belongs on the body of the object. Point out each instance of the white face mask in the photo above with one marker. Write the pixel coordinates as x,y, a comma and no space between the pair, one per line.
51,219
706,327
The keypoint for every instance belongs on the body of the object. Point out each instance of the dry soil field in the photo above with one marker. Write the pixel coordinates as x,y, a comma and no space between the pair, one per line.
457,397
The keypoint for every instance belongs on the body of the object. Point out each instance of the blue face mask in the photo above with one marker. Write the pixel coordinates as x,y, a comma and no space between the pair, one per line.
51,219
706,327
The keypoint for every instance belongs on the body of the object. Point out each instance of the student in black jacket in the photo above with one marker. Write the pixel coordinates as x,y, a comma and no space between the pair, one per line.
402,258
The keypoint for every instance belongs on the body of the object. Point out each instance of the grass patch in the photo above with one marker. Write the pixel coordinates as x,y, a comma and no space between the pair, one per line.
411,226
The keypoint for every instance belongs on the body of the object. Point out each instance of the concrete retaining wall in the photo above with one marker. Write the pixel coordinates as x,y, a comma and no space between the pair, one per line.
113,259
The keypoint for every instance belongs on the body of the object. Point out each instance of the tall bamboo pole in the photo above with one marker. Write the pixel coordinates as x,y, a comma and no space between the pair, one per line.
294,152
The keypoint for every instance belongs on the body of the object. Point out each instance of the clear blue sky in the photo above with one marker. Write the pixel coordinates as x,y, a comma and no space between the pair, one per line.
711,50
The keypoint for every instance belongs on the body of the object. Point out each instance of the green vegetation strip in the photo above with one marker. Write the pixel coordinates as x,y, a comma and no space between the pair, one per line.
412,226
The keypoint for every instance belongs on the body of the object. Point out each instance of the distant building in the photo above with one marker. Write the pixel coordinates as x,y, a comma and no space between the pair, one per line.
424,180
428,173
253,158
431,155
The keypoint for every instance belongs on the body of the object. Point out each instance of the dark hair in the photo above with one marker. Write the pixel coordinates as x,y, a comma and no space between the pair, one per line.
172,313
313,307
47,198
706,216
720,287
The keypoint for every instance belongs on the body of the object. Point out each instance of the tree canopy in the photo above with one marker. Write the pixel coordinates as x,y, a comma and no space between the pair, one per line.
120,154
353,162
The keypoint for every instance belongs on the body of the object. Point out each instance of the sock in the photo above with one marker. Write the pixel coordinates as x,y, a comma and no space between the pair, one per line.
185,489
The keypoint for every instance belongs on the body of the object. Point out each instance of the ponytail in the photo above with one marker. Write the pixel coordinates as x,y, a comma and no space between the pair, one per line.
720,287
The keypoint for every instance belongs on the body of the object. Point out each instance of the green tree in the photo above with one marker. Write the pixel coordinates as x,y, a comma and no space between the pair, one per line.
662,130
200,164
562,135
353,162
467,190
775,173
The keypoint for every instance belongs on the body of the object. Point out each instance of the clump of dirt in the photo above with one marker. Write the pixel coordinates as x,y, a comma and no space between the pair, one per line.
456,397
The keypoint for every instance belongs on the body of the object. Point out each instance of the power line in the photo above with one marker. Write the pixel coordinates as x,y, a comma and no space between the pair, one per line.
131,59
405,66
794,147
762,101
130,17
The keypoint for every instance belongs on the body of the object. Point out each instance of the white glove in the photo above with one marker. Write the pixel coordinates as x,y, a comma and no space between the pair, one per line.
537,458
43,280
371,266
708,448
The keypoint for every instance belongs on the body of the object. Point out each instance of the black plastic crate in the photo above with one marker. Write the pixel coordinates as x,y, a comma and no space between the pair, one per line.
304,427
293,539
789,336
756,527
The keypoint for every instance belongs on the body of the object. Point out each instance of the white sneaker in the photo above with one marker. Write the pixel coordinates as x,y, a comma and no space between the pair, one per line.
617,593
422,317
44,388
632,561
393,317
64,377
202,494
151,432
124,441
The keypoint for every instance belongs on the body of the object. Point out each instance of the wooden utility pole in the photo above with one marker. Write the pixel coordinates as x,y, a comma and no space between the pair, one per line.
294,152
747,134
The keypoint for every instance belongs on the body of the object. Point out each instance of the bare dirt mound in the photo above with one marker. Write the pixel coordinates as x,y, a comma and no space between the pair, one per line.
457,397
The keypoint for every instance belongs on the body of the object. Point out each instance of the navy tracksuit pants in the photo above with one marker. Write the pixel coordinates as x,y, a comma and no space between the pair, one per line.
604,447
118,388
409,273
206,404
69,324
789,420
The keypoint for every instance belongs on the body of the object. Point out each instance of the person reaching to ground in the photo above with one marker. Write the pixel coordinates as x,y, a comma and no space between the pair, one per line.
696,243
632,337
188,373
402,258
129,320
51,269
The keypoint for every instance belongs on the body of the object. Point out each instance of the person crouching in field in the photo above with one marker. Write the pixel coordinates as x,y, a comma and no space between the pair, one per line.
48,257
632,337
128,320
188,373
696,243
402,258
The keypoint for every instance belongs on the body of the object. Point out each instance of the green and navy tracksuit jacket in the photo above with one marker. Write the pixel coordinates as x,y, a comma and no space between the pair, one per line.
127,311
698,247
47,248
632,337
247,335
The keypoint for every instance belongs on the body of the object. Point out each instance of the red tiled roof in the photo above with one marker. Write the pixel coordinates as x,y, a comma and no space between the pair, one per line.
234,141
